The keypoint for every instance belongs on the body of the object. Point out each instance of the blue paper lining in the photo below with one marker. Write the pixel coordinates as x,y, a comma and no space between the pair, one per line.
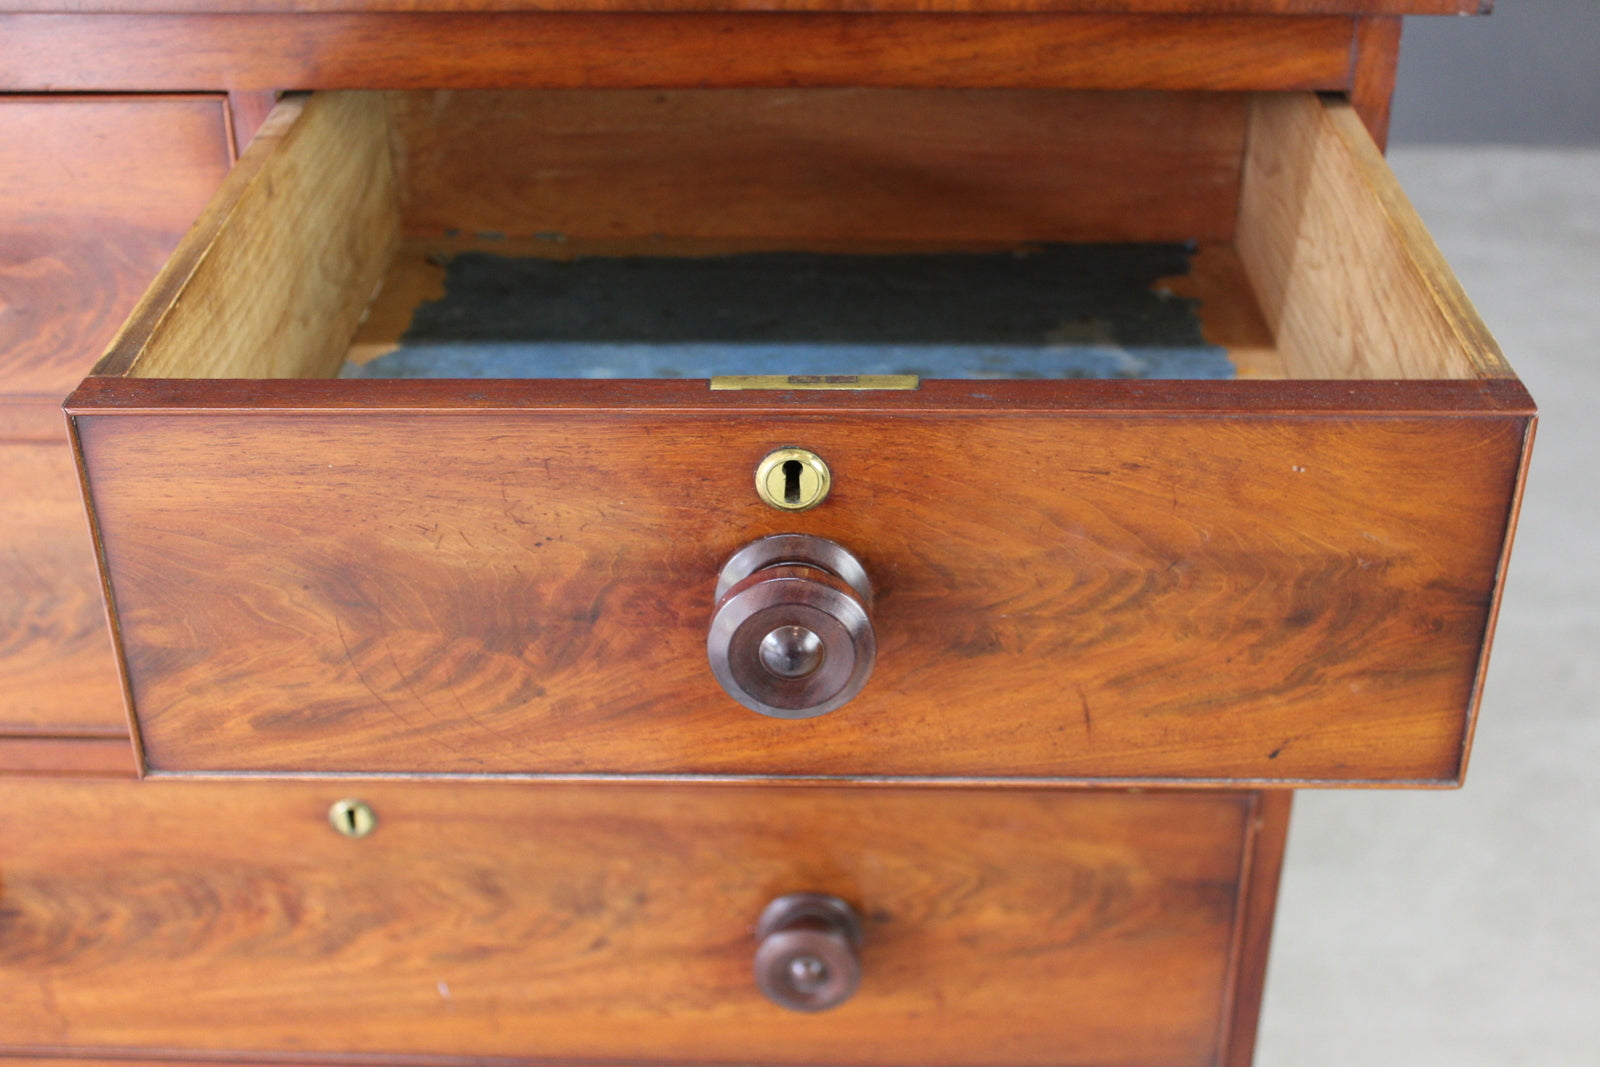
1065,311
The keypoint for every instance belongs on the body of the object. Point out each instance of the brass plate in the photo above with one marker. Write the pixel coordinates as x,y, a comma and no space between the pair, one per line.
816,381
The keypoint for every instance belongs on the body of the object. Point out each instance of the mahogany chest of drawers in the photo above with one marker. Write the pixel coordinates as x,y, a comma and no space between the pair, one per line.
1079,639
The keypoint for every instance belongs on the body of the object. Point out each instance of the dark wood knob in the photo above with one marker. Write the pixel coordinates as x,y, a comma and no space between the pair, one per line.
809,957
791,636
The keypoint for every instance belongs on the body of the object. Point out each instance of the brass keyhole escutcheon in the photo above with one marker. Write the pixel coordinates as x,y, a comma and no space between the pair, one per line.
793,479
352,818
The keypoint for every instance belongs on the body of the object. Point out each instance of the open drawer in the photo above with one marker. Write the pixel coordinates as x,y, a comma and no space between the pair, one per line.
1286,577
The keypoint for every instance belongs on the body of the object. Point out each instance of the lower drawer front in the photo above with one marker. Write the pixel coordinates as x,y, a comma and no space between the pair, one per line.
615,922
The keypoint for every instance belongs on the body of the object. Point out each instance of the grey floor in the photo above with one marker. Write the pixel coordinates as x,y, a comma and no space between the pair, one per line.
1463,928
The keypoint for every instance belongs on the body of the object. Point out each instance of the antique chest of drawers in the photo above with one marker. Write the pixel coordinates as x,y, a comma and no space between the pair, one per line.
902,716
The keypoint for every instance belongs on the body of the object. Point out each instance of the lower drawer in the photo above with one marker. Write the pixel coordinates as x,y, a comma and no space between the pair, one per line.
615,922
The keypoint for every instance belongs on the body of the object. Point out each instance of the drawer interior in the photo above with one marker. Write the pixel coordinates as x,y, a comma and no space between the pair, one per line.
1183,234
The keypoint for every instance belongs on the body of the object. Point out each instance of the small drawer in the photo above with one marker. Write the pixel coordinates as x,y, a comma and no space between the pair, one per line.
610,923
1288,577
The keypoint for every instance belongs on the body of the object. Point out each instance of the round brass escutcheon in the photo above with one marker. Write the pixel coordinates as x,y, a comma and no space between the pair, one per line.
793,479
809,957
352,818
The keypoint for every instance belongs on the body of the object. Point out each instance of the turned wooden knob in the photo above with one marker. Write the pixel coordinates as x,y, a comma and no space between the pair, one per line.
791,636
809,957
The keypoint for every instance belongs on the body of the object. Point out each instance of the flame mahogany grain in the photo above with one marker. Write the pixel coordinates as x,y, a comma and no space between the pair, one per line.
97,191
615,924
569,50
1089,594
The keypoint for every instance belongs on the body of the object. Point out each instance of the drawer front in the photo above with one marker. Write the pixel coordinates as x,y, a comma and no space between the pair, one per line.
1253,581
615,923
97,192
1063,596
57,672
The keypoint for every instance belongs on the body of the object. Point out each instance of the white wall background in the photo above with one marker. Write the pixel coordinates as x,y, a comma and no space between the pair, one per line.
1529,74
1462,929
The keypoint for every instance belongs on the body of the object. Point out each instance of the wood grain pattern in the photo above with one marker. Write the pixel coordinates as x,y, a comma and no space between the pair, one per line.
246,114
1082,595
1347,275
1185,7
1218,611
309,217
610,923
236,300
909,165
575,50
1377,59
617,396
57,671
1257,907
1229,315
1349,280
76,757
26,418
1500,579
97,193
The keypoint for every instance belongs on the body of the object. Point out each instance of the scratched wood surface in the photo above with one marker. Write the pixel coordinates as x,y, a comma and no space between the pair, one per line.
1081,594
567,50
613,923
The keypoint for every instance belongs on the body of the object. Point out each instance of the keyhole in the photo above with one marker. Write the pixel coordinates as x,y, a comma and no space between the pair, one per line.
791,481
352,818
